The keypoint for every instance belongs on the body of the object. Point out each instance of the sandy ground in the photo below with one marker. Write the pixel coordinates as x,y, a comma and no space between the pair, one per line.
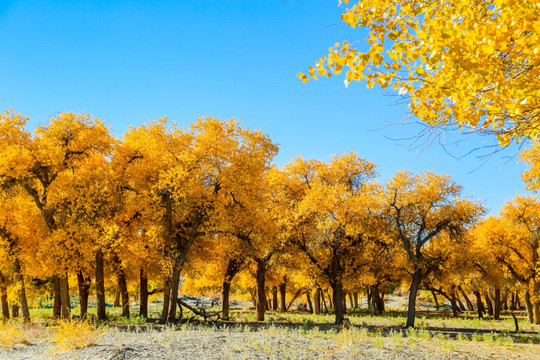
212,343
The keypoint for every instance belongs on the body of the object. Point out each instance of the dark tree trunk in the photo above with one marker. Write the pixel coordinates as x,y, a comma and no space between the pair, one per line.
143,293
100,286
14,310
413,291
57,306
116,302
330,300
225,303
337,291
282,292
479,305
175,283
21,291
317,301
3,298
369,296
470,305
261,295
64,296
233,267
497,304
166,298
528,305
454,304
377,301
274,298
355,299
489,304
344,301
84,290
513,301
122,286
460,303
324,301
437,307
310,304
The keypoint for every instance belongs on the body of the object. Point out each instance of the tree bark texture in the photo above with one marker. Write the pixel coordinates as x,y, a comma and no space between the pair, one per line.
413,291
3,298
337,291
57,305
100,286
64,296
143,293
282,293
261,294
317,301
84,290
122,286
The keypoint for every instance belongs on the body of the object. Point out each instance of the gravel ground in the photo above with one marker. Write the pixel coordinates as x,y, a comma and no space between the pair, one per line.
270,343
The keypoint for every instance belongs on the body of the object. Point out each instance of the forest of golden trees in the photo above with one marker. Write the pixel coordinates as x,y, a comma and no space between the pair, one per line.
84,212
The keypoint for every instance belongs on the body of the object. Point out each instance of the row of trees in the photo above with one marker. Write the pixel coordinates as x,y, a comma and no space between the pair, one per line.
205,202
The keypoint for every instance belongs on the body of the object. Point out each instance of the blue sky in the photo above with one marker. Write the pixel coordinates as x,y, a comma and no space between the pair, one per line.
128,62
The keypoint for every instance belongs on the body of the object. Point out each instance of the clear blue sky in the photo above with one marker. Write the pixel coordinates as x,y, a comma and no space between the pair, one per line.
128,62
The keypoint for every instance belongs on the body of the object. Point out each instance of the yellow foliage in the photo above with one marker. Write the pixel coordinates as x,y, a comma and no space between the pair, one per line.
11,335
477,64
69,335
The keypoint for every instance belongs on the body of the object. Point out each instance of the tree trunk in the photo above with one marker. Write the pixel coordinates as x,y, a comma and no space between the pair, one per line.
21,292
225,294
369,296
344,301
310,304
330,300
460,303
324,301
470,306
513,301
489,304
166,299
233,267
317,301
275,298
437,307
454,304
479,304
536,312
3,298
57,306
84,290
175,283
282,293
376,300
528,305
143,293
261,295
351,301
413,291
355,299
14,310
337,291
100,286
122,286
64,296
116,302
497,304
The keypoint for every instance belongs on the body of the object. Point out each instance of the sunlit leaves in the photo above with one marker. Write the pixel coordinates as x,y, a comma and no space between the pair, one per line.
471,64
